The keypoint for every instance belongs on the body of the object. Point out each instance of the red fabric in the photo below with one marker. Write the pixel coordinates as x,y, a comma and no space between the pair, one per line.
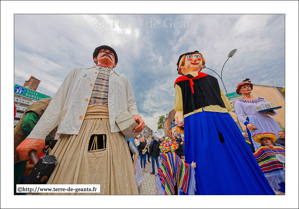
38,157
184,78
15,111
185,180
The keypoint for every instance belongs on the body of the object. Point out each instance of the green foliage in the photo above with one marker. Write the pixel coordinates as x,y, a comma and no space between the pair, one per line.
160,121
281,126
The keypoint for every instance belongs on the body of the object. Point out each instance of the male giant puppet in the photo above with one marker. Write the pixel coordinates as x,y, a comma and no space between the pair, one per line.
91,148
225,165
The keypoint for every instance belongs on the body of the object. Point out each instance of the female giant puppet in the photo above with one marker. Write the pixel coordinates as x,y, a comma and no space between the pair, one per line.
91,149
225,164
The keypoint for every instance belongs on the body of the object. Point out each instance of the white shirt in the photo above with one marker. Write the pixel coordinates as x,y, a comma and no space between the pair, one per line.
68,107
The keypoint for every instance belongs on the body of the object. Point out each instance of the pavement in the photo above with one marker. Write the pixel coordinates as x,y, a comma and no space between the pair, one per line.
148,186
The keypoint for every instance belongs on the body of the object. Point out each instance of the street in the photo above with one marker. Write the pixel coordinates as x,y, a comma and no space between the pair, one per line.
149,180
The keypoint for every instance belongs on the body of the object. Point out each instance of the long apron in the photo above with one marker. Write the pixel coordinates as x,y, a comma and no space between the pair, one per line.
112,167
224,163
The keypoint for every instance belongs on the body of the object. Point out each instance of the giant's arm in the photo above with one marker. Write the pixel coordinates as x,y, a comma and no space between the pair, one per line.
178,106
240,113
226,102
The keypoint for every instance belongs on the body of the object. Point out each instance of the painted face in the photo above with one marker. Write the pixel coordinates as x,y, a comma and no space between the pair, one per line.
267,142
193,63
245,89
105,57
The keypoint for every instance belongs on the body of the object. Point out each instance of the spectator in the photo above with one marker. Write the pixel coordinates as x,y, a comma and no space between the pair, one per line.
136,141
271,159
183,146
281,139
133,153
147,149
174,176
155,151
138,175
30,164
179,151
29,119
141,149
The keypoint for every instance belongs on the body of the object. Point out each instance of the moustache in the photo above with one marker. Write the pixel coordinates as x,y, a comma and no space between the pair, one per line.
105,55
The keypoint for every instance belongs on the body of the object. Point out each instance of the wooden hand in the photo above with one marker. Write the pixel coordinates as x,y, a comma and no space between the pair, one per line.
140,122
269,112
179,118
251,127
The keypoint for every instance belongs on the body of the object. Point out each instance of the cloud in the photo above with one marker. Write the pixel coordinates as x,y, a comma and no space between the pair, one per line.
50,46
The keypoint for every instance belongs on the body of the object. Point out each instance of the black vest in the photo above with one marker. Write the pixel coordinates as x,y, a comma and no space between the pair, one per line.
206,93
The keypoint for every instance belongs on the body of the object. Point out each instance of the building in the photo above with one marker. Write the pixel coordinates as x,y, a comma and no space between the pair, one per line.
147,131
169,123
272,94
26,95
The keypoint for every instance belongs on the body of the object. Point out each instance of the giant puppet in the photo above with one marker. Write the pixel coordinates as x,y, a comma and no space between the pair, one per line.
91,149
224,163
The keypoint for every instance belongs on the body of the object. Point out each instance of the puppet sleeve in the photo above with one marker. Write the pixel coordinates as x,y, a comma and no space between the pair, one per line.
226,102
178,101
240,113
53,114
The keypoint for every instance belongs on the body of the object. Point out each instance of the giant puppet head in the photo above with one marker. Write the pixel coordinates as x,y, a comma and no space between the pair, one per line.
190,62
105,56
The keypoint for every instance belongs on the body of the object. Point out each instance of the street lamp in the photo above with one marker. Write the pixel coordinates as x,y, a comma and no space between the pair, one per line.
230,54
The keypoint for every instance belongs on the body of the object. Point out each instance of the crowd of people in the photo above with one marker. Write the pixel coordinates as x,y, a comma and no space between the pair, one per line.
149,150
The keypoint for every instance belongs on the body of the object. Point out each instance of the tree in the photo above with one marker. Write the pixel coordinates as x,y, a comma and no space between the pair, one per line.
160,121
281,126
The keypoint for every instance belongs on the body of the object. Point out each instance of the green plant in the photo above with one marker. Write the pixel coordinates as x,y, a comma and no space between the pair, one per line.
281,126
160,121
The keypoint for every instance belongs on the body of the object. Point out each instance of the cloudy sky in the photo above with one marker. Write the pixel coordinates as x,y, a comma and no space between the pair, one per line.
48,47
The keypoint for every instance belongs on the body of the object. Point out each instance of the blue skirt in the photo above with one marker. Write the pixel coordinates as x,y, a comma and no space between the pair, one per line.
225,164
